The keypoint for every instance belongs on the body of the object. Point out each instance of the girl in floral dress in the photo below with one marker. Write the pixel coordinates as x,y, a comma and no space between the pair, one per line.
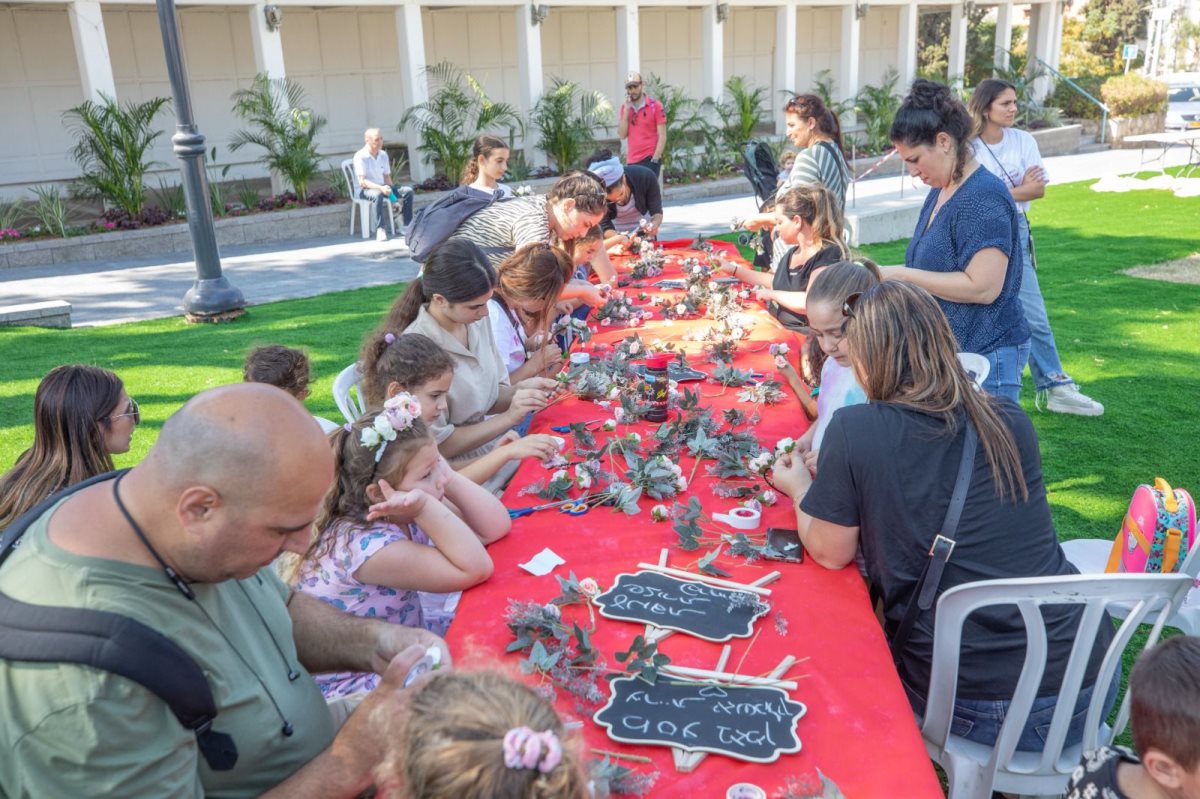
371,556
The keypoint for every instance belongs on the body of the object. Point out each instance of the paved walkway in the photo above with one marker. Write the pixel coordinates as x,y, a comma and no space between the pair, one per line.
108,292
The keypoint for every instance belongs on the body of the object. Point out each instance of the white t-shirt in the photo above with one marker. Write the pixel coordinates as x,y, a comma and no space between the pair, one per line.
1010,159
373,168
628,217
839,388
510,339
503,188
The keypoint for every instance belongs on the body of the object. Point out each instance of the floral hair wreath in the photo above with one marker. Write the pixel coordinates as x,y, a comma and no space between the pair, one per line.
400,413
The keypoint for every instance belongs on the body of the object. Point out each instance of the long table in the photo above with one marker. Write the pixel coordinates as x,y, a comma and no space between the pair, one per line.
858,729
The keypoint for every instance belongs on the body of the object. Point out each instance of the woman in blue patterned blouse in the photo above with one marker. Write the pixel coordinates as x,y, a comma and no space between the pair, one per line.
966,248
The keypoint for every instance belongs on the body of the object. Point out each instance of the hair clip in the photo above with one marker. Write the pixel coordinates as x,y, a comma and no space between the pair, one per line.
390,338
400,413
349,428
523,748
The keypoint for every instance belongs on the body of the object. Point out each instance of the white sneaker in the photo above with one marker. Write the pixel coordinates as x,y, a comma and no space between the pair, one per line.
1067,398
381,234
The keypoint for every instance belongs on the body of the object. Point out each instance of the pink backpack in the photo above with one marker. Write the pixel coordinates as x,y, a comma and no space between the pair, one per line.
1158,531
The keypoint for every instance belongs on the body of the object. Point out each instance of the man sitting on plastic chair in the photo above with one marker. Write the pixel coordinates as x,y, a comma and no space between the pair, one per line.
373,171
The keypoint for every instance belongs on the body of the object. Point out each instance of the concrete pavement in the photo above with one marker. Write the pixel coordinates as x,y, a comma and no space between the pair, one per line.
109,292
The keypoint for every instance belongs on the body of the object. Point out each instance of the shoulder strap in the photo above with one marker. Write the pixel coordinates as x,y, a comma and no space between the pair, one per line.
943,545
111,642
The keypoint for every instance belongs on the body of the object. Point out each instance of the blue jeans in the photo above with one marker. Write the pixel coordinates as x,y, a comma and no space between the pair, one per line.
979,720
1004,378
1044,364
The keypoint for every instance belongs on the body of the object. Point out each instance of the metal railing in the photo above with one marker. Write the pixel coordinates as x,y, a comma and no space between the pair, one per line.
1080,90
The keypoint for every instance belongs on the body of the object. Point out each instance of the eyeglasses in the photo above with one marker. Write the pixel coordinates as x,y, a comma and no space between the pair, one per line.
850,303
131,409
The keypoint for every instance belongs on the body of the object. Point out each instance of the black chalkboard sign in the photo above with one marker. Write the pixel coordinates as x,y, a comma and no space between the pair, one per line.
751,723
716,614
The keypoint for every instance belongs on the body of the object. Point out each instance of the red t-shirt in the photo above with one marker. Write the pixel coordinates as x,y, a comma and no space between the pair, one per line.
643,129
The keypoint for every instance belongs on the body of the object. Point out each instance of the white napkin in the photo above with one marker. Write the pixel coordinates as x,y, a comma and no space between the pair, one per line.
543,563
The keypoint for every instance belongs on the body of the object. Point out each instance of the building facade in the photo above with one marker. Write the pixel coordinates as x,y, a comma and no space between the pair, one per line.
361,63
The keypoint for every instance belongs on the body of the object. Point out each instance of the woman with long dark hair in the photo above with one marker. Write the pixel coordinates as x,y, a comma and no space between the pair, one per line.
885,474
1012,155
449,304
820,156
81,418
966,248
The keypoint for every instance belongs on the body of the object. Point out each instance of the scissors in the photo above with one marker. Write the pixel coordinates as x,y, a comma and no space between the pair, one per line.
577,508
516,513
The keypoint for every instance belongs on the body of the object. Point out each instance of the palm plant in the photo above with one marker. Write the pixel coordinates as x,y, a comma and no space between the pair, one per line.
10,213
684,120
111,146
741,114
824,89
283,127
458,110
170,198
566,119
877,106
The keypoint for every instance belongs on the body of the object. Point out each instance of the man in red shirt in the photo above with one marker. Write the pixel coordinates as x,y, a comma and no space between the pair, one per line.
643,123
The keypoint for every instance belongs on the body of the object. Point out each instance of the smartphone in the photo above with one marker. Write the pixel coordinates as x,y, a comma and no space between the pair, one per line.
784,544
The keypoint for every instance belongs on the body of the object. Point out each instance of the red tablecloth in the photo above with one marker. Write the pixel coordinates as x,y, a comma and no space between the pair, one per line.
858,729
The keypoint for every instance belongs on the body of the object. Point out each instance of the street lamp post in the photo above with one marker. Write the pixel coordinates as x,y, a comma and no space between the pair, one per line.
211,295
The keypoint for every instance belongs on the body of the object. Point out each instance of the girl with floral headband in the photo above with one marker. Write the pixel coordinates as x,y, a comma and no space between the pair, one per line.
480,735
391,498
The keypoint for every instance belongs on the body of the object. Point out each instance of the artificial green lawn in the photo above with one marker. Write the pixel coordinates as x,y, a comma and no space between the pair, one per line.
1133,344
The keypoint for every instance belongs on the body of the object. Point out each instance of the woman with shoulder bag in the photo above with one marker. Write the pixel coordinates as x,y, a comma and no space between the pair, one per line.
926,421
1012,155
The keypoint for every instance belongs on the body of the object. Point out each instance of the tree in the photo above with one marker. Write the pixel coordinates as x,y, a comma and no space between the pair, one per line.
458,110
284,129
1108,24
113,141
933,54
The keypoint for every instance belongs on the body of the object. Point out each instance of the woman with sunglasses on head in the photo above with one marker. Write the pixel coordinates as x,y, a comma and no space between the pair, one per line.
1012,155
81,418
886,473
815,131
966,251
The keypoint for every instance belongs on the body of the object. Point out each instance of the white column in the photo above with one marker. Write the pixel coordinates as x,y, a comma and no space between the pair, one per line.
1058,11
1004,23
785,61
848,77
529,48
91,49
957,54
628,40
906,46
268,44
1041,42
414,88
713,84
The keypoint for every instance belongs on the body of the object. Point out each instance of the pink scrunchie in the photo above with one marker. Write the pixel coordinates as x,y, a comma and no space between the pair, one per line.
523,748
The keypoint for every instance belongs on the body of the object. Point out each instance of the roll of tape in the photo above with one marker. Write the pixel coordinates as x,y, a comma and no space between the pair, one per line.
745,790
740,518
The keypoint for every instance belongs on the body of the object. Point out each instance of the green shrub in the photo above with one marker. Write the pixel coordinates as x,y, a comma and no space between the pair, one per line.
877,106
741,114
283,127
566,118
458,110
112,143
1133,95
1074,104
684,119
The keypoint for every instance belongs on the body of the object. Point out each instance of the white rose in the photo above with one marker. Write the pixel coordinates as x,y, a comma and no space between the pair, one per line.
769,497
584,480
785,444
384,428
681,484
634,348
660,513
614,393
371,438
610,425
606,321
561,474
681,309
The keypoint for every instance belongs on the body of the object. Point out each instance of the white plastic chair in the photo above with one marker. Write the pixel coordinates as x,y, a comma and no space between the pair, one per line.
351,405
1090,556
357,203
975,770
977,366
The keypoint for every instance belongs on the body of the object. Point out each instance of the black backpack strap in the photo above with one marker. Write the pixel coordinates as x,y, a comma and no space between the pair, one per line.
943,545
12,534
114,643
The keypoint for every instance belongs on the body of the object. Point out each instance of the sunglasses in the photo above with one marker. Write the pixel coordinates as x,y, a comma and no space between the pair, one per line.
131,409
850,303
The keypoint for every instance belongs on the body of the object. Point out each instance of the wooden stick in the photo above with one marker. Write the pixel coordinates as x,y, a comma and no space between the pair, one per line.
619,756
724,676
746,651
704,578
721,661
